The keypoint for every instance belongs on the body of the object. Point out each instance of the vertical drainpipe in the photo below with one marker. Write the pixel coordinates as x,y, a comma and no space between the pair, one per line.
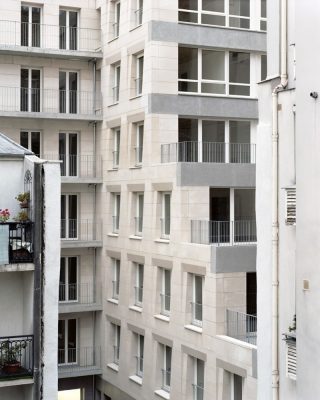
275,201
38,280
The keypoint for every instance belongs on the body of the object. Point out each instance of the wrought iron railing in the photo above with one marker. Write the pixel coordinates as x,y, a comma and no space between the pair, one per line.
241,326
16,242
16,356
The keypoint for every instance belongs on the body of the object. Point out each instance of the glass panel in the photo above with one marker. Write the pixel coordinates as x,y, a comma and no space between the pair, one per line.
73,279
63,216
240,148
72,340
24,95
188,63
62,91
215,88
61,342
212,136
73,30
239,7
200,373
263,67
62,152
188,87
35,90
188,140
239,90
263,8
213,5
73,154
185,16
62,29
73,215
168,355
140,206
237,387
239,67
35,143
141,345
24,26
263,25
244,204
140,142
167,289
62,280
36,13
242,23
198,289
73,87
24,139
209,19
213,65
188,4
167,213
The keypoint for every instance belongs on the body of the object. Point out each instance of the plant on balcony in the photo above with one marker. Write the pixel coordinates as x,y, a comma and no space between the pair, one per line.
23,199
4,215
22,216
10,356
293,327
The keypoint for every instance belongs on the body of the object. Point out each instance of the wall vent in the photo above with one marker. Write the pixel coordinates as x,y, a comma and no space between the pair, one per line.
291,364
291,201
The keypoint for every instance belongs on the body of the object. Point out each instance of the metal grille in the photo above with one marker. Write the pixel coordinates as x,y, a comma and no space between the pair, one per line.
291,206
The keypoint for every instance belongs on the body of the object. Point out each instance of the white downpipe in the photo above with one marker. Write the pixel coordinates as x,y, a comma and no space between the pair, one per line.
275,202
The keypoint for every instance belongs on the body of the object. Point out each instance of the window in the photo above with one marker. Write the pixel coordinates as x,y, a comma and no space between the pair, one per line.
139,74
69,216
116,212
68,30
30,84
236,387
116,147
214,72
68,153
30,26
31,141
139,144
166,215
139,13
139,356
116,83
138,289
67,341
230,13
116,23
263,67
116,343
116,278
165,294
263,15
198,385
196,304
68,284
166,371
68,92
139,214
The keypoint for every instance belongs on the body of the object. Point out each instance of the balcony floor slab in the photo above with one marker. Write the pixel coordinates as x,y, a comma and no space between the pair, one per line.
49,53
69,372
75,244
16,382
76,308
17,267
55,116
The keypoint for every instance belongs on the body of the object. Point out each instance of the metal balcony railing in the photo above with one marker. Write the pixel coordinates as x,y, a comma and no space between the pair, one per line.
78,359
115,289
241,326
53,37
139,366
165,228
16,357
196,313
81,230
138,225
209,152
22,99
165,301
224,233
197,392
16,242
166,379
138,296
78,165
80,293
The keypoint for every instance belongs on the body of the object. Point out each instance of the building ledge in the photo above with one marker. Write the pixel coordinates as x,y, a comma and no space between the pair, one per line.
134,237
162,317
136,379
113,301
65,308
65,372
193,328
162,393
110,234
73,244
17,267
55,116
165,241
113,366
236,342
16,382
81,180
136,309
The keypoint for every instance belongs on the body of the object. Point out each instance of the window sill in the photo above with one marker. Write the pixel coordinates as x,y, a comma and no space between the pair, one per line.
136,167
113,234
136,309
162,317
136,97
162,393
134,237
113,39
135,27
113,169
166,241
113,301
113,366
113,104
136,379
193,328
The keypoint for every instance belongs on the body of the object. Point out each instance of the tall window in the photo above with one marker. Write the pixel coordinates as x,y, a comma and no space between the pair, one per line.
67,341
198,385
138,298
139,74
116,83
116,343
116,278
69,216
196,304
263,15
140,354
236,387
139,213
165,294
166,371
139,13
68,92
116,23
68,30
30,89
30,26
139,144
68,153
31,141
166,215
68,285
116,147
116,212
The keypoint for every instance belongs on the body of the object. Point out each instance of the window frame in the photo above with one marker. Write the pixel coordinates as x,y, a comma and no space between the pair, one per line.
139,74
29,139
163,310
116,271
139,213
139,281
194,320
116,147
165,223
116,212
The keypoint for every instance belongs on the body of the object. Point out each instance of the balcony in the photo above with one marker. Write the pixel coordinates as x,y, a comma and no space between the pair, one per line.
44,39
80,233
76,297
241,326
234,163
49,103
16,357
16,242
83,361
79,168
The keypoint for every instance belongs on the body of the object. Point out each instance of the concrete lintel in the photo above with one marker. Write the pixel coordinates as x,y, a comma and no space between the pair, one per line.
163,340
194,269
136,258
194,353
136,329
160,262
234,369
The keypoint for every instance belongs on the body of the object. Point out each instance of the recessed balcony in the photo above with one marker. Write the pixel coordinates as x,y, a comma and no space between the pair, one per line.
79,361
16,243
241,326
43,39
80,233
49,103
76,297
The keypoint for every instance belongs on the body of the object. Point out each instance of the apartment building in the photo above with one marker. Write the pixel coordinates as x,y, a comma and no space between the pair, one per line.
29,279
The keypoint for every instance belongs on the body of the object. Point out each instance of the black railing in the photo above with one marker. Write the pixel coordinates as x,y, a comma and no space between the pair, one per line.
16,240
16,357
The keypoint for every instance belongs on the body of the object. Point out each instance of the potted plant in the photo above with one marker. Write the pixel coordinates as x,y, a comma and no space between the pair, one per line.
10,354
4,215
22,216
23,199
